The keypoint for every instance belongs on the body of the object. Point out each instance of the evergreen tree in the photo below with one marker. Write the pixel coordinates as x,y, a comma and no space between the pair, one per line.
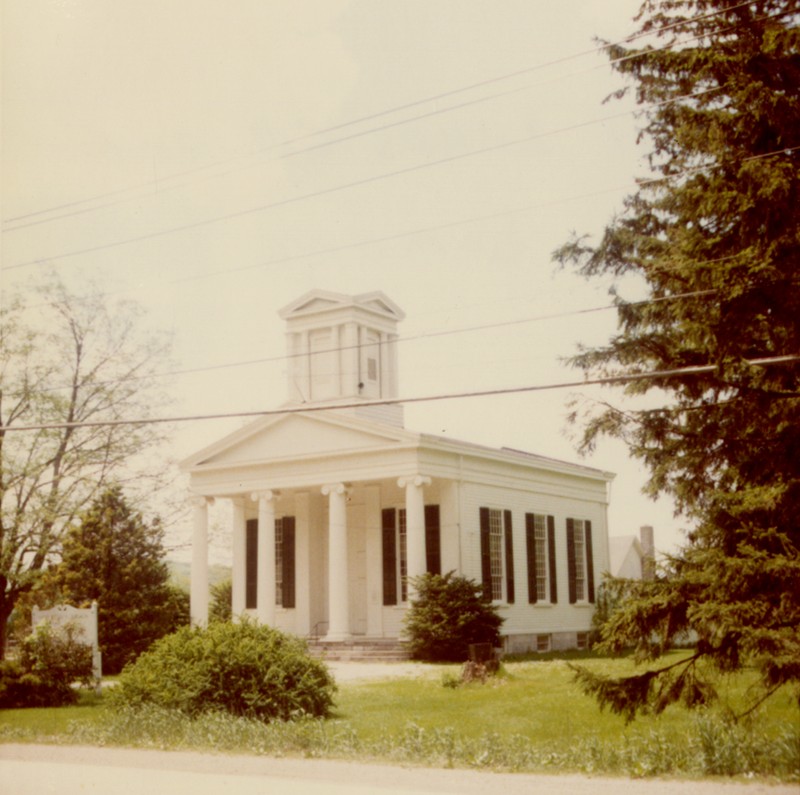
714,236
113,557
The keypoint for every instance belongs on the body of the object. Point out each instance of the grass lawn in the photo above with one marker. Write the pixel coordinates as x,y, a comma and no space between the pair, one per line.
537,700
531,717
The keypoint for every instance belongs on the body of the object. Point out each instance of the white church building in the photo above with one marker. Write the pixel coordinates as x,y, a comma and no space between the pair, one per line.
335,504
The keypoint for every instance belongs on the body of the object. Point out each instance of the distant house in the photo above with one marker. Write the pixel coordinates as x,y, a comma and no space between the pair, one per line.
335,504
633,557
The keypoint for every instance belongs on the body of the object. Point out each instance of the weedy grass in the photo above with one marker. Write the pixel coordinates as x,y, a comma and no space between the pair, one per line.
531,717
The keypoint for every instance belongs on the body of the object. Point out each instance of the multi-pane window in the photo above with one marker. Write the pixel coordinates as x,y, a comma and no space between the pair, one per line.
541,549
402,553
540,540
496,552
580,560
284,562
395,551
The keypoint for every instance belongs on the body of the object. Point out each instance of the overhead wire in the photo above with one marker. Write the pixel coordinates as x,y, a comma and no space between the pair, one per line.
611,380
386,112
358,183
401,339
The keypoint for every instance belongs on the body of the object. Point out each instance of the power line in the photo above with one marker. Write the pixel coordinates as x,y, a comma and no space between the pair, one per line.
621,378
360,183
411,338
380,114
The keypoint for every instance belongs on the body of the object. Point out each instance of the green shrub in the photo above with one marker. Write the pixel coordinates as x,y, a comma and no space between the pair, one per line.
49,664
245,669
221,607
448,614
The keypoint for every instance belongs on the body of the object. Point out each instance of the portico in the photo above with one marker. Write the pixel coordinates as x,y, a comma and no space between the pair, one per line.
326,559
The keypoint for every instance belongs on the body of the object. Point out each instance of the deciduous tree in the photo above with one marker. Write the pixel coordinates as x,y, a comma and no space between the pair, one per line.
68,362
714,237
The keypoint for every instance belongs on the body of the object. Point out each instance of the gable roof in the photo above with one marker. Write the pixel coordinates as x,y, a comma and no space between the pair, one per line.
301,434
292,435
318,301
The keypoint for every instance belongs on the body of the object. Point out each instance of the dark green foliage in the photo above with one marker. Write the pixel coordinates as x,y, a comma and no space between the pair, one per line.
48,665
221,607
245,669
650,691
608,600
114,558
447,614
714,238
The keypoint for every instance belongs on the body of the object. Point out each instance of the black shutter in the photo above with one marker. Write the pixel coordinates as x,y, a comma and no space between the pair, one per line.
389,556
288,563
530,548
486,554
589,562
433,540
573,597
509,557
251,565
551,558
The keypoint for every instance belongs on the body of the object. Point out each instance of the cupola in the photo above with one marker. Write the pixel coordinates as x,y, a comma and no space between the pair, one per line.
342,349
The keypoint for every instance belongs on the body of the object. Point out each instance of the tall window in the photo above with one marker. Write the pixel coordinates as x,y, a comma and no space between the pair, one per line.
580,562
279,561
402,553
540,544
395,551
251,565
284,562
497,553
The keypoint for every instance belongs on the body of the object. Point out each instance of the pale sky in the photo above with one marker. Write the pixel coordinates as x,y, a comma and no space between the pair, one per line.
216,159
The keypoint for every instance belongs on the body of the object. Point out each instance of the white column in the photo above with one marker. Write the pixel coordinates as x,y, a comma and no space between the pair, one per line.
198,599
338,585
265,565
239,573
415,524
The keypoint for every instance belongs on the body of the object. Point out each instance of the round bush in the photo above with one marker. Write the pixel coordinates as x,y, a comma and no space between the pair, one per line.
49,664
245,669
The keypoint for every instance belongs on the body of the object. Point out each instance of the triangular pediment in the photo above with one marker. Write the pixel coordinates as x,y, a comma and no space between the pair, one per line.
320,301
297,436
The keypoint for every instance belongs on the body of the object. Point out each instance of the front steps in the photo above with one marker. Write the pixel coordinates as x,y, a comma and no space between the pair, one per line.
360,650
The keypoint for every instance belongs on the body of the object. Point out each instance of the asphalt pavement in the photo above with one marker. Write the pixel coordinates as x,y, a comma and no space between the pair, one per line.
68,770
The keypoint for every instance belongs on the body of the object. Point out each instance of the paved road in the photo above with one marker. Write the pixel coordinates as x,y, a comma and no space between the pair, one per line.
65,770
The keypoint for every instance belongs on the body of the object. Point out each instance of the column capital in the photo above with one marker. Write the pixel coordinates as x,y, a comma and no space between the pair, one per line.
200,500
334,488
414,480
266,494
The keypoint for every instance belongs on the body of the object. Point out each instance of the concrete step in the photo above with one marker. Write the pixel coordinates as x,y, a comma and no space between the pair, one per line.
360,650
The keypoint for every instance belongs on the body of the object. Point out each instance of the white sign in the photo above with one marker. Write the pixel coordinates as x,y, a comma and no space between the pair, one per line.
84,622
